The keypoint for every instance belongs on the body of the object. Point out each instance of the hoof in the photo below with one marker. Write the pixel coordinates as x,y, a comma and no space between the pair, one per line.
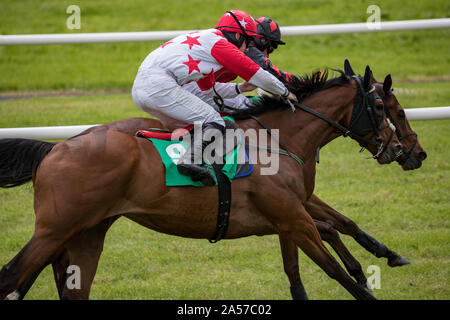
13,296
298,293
396,260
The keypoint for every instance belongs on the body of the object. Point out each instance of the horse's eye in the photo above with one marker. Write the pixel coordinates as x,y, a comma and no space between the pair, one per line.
392,89
401,114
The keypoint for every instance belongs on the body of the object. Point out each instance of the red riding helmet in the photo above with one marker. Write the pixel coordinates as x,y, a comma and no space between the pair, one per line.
237,21
270,31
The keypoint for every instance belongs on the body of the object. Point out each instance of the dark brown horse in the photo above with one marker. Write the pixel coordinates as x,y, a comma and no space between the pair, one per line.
84,184
329,221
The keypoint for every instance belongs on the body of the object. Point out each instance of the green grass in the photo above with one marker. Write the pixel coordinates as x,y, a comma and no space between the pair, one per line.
405,54
408,211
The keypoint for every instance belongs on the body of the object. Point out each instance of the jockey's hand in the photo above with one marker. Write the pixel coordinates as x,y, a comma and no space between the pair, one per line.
246,87
292,97
287,99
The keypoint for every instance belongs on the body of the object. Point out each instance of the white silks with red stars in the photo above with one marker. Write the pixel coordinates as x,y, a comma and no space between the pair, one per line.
202,57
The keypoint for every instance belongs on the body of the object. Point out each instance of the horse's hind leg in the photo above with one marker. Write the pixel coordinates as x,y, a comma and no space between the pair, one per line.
59,271
54,227
25,286
36,254
84,252
59,266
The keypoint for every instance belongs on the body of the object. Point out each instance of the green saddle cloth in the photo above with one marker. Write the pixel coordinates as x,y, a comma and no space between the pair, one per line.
171,152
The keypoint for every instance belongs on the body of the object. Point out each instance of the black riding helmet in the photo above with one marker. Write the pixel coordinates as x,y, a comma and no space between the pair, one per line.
270,30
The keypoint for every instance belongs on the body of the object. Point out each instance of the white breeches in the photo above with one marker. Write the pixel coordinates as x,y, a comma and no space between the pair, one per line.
158,94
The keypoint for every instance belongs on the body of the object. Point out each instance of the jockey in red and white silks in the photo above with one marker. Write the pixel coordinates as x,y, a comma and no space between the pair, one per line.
259,52
196,56
201,57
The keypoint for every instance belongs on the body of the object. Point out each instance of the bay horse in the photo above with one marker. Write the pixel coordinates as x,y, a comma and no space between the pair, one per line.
84,184
328,221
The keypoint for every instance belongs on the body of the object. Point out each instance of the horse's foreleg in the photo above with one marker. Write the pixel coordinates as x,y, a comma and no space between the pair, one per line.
289,253
300,227
330,235
319,210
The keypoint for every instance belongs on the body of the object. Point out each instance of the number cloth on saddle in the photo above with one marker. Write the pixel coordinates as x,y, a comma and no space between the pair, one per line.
236,162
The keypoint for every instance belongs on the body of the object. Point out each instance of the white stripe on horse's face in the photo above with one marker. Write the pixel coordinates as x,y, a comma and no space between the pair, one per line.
13,296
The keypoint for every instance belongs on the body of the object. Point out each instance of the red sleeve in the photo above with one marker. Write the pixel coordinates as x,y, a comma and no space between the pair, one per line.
233,59
221,75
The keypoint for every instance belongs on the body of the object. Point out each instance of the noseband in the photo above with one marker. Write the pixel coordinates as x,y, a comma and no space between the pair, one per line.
399,136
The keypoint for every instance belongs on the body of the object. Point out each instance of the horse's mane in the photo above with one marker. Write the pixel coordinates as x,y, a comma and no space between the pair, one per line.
302,86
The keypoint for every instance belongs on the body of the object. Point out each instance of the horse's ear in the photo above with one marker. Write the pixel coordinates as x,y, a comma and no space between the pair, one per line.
372,78
387,84
367,73
348,68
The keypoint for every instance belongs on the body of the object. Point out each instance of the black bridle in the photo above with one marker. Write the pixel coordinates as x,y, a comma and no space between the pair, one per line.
399,136
363,112
364,119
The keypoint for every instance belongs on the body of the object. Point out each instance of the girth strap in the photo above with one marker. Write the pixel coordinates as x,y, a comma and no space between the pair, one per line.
223,216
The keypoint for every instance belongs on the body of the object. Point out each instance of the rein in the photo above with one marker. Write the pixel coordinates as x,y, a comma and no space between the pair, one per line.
284,151
346,132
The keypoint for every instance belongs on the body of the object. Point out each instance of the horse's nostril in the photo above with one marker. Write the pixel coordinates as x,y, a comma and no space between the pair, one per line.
398,147
422,155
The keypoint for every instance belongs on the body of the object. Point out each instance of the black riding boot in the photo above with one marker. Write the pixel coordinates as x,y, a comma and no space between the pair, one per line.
187,166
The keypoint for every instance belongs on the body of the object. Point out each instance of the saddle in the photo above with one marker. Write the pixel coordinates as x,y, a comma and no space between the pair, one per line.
224,173
156,133
242,169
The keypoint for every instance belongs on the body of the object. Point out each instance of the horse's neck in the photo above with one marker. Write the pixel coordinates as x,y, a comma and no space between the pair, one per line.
302,132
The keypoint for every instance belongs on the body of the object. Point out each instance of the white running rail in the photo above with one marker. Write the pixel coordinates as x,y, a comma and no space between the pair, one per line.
67,38
65,132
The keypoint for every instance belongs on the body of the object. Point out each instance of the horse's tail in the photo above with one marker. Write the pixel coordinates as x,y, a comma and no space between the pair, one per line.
19,159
